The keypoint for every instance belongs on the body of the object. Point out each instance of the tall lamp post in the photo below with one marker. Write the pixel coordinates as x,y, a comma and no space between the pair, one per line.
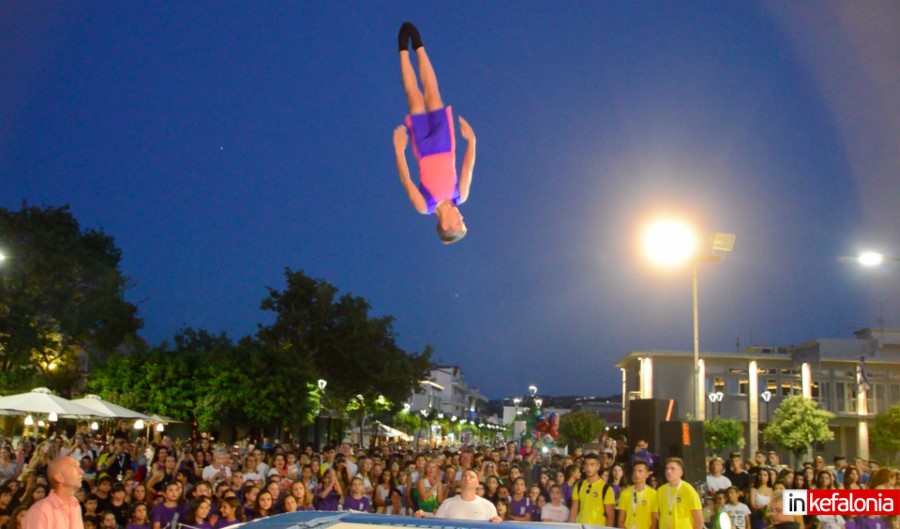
868,259
672,243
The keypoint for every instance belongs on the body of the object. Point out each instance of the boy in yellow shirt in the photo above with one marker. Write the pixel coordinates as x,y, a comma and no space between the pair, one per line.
678,502
637,504
593,500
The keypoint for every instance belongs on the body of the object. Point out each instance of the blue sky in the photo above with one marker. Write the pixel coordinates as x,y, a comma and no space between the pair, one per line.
222,142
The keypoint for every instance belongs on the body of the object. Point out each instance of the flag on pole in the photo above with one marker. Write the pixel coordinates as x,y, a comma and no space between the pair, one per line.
862,377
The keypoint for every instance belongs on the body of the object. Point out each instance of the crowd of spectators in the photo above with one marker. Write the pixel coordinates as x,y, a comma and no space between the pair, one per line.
130,483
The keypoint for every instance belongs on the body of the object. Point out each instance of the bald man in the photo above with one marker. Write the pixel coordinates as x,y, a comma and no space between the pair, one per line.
60,509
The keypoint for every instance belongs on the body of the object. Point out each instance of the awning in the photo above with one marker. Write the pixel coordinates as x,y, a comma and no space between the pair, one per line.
387,431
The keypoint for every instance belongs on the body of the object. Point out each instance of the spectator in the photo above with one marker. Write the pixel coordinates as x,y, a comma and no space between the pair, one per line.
60,509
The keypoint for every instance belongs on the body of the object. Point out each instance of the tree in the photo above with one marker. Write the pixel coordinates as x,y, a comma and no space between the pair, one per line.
799,424
885,434
61,298
579,428
356,353
720,433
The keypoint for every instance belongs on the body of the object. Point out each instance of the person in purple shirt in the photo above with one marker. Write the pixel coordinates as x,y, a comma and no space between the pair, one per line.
328,493
139,516
357,501
198,512
163,513
520,506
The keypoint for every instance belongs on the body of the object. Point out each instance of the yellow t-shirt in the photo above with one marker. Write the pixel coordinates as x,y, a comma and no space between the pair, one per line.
592,508
676,504
638,508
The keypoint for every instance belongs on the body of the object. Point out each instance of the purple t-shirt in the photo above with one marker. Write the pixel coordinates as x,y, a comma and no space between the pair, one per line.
363,504
329,503
520,507
163,514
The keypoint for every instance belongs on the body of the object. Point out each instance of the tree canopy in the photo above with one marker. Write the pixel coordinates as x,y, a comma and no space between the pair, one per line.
885,434
269,379
356,353
720,433
62,299
580,427
798,424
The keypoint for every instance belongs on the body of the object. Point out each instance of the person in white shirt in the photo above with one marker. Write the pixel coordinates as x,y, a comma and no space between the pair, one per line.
737,511
467,505
555,511
715,480
830,521
218,470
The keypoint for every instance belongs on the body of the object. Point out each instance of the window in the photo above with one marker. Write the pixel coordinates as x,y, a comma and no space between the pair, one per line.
714,384
825,396
790,387
845,397
732,386
743,386
895,394
880,404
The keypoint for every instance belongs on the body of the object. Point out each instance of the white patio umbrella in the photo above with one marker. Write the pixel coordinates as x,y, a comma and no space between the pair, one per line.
108,409
42,400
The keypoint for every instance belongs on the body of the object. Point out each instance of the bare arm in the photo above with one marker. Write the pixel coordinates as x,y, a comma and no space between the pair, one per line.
697,515
610,513
573,511
415,196
620,520
468,166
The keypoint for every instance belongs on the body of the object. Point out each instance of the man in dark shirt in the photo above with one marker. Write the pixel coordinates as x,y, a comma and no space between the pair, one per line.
736,473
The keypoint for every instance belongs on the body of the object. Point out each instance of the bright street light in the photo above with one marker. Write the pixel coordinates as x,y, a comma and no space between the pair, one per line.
672,242
870,258
2,257
669,242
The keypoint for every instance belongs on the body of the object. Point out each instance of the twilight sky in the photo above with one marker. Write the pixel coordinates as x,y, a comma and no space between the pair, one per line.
220,142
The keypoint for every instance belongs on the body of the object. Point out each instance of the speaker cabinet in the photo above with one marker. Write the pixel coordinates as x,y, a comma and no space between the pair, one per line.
644,418
684,439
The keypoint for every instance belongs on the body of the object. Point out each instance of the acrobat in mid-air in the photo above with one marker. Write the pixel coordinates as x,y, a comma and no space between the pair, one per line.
430,124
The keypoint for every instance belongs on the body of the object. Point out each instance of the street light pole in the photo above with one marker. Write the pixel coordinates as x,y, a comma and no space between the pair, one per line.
699,402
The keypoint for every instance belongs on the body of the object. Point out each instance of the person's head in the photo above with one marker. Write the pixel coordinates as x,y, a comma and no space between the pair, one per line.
824,480
91,502
64,474
617,474
762,478
851,476
715,466
640,470
450,225
139,493
230,509
839,462
356,486
572,472
772,458
107,520
172,492
289,504
199,510
534,492
556,494
799,481
732,493
518,487
514,473
274,488
298,490
492,484
674,470
503,509
591,465
264,502
139,512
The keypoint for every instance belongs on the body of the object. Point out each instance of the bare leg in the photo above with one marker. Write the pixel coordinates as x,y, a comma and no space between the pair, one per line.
411,85
429,81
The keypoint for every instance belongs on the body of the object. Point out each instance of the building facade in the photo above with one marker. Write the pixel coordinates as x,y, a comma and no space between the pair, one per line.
750,384
446,391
